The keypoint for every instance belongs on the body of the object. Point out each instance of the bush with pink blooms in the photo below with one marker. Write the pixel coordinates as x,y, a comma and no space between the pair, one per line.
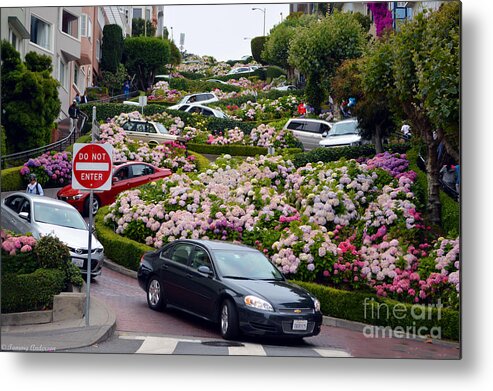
51,168
18,253
347,224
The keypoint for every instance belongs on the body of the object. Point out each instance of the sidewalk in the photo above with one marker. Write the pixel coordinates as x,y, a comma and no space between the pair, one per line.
70,334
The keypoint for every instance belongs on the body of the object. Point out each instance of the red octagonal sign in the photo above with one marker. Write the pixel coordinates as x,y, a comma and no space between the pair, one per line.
92,166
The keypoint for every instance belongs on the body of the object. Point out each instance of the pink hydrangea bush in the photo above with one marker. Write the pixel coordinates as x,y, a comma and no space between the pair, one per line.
51,168
13,244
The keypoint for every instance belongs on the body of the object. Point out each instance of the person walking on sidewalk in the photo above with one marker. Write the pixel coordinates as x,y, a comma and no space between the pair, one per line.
73,113
33,187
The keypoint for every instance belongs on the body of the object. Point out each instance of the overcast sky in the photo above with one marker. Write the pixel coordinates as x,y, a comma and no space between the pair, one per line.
222,31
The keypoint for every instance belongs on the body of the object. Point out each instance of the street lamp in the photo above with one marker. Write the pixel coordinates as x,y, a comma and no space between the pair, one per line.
263,10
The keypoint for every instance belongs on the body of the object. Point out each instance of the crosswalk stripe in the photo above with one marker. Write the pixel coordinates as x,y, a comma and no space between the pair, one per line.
331,352
158,345
249,349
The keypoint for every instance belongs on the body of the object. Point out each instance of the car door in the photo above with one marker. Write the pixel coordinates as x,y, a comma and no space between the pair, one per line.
140,174
10,218
121,182
203,288
174,274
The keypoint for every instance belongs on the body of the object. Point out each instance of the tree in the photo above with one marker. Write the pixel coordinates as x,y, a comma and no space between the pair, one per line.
138,29
113,81
30,103
320,48
257,44
144,56
111,48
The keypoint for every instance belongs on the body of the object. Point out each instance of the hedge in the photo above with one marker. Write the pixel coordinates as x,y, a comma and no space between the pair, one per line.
200,85
110,110
233,150
31,292
357,306
450,208
11,179
125,252
324,154
201,161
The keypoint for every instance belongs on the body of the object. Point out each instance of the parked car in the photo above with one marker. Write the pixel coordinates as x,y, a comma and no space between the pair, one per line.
125,176
201,98
200,109
39,215
343,134
230,284
216,81
149,132
238,70
308,131
285,88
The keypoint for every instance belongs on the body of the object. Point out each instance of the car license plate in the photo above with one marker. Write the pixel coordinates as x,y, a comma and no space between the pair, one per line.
300,324
78,262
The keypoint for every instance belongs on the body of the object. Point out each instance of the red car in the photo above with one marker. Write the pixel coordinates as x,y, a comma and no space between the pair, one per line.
125,176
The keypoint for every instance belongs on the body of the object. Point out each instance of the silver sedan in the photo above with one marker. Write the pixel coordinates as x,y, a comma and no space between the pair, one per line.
23,213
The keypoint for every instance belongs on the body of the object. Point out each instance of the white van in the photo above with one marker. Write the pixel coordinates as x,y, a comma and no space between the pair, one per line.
202,98
309,131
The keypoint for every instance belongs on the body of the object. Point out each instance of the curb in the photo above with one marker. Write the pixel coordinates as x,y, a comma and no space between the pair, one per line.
327,320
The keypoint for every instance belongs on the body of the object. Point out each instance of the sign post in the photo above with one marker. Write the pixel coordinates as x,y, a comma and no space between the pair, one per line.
92,168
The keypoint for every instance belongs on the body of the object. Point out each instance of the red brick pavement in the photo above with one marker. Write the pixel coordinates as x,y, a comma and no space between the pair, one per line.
128,301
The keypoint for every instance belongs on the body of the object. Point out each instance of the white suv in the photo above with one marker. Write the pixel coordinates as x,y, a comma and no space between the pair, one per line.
344,134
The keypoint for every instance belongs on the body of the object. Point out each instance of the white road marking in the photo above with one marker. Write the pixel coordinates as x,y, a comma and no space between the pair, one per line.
249,349
331,353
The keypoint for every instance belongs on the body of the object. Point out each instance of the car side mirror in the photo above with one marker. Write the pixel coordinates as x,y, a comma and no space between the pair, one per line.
324,134
205,270
24,216
115,179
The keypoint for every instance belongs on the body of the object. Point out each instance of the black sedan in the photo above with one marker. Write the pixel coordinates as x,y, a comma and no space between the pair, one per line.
233,285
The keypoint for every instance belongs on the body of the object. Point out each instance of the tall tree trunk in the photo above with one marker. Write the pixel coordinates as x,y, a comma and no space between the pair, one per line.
432,173
377,139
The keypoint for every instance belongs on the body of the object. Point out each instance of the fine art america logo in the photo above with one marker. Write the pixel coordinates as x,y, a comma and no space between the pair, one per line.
421,320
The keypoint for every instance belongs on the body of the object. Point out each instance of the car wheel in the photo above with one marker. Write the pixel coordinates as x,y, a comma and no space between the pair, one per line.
155,296
95,206
229,320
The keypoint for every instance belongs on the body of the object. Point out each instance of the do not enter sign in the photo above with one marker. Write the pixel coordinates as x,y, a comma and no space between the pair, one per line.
92,166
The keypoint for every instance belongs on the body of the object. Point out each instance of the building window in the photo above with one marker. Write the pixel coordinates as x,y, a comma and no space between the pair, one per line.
98,49
62,74
89,28
137,13
76,75
40,33
83,25
101,19
14,40
70,24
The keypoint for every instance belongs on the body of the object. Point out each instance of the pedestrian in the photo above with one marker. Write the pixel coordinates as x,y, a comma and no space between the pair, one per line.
301,109
447,174
73,113
33,187
406,131
126,89
83,98
77,98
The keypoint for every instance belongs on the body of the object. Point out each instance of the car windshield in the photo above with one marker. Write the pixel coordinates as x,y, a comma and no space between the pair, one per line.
341,128
161,128
246,265
56,215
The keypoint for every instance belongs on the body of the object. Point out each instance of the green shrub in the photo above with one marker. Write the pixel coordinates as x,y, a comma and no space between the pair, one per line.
21,263
192,75
123,251
31,292
202,85
201,161
274,72
110,110
357,306
233,150
11,179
